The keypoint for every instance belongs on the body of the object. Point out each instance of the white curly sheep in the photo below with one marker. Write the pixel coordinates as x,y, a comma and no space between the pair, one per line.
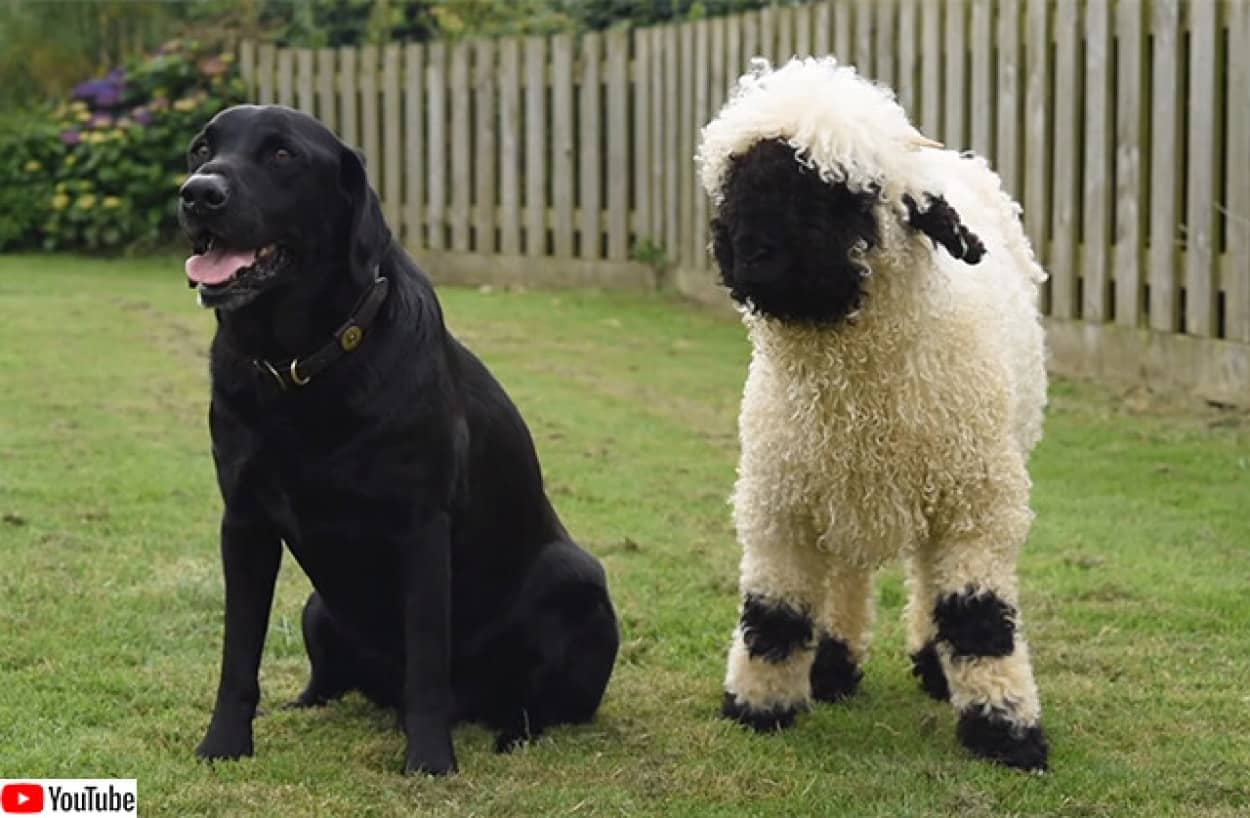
895,391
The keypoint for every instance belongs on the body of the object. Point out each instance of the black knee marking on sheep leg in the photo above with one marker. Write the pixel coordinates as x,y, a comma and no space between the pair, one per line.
765,720
773,631
990,735
940,222
835,676
975,624
927,667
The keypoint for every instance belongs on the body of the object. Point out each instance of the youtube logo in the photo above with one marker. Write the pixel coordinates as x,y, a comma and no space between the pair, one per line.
21,798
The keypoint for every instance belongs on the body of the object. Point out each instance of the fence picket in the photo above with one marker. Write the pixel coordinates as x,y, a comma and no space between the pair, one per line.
863,37
510,146
1130,134
1201,283
1037,112
369,112
326,109
672,170
1008,109
698,201
535,146
843,34
1165,186
802,30
286,77
590,141
821,24
640,161
618,144
304,81
931,69
392,113
659,133
348,110
436,121
1097,173
1237,282
414,143
1064,220
981,107
783,20
954,128
485,153
562,147
883,47
906,85
264,74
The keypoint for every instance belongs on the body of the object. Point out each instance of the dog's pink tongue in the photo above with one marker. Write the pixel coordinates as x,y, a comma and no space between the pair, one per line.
217,266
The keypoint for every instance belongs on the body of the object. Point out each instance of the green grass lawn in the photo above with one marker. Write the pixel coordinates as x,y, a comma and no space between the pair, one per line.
1136,585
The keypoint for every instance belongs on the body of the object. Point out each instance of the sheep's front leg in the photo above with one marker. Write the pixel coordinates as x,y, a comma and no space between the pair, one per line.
983,659
922,641
768,679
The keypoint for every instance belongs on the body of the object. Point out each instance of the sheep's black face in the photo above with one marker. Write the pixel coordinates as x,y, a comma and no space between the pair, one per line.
785,240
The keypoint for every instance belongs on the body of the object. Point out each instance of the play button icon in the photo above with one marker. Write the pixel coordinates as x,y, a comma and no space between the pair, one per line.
21,799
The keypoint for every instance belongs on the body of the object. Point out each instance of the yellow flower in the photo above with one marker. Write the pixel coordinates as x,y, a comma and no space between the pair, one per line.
185,104
227,56
32,166
60,201
85,202
83,116
78,105
71,160
116,133
61,187
111,202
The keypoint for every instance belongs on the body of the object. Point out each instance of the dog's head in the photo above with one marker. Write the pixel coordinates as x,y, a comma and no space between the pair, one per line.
273,200
810,168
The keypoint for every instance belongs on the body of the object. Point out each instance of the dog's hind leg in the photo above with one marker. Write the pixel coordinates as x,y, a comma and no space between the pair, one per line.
550,659
768,679
340,664
844,627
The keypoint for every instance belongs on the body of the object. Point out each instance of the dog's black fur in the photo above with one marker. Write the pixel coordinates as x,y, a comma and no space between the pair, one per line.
402,478
789,245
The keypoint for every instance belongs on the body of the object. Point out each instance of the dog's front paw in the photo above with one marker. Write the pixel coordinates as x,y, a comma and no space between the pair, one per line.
762,720
225,744
991,736
430,757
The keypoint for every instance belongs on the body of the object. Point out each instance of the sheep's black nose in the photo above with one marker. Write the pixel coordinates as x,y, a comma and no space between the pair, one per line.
204,193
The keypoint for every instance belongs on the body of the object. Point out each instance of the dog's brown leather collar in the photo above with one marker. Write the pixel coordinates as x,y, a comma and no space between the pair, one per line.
299,371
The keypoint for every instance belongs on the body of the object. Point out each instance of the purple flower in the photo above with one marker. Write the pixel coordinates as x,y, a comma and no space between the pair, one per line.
116,76
109,96
87,90
142,115
71,137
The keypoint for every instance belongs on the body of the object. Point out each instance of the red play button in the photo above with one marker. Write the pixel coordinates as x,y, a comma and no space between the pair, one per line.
21,798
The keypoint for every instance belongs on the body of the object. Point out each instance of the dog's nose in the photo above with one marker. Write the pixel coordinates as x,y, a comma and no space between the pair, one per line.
204,193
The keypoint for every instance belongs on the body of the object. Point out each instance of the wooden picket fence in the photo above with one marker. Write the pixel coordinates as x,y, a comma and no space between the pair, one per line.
1122,126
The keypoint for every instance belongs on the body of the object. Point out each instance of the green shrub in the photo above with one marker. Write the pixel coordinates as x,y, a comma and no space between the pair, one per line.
102,170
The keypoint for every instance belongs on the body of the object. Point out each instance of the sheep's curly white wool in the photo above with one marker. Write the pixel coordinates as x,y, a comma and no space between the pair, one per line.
902,431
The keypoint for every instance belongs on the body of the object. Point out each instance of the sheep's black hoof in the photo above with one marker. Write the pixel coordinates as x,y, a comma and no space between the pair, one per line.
834,676
508,740
927,667
992,737
761,721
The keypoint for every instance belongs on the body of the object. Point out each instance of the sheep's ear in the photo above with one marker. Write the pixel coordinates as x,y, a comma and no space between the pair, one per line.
940,222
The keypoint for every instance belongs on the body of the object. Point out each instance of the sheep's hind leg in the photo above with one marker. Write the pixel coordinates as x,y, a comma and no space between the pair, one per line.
770,661
983,658
922,641
845,625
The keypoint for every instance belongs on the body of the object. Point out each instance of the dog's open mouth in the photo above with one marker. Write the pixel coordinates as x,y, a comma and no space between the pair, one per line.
214,268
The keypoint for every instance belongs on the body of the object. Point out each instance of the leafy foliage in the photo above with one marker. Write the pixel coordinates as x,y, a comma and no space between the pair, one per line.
100,171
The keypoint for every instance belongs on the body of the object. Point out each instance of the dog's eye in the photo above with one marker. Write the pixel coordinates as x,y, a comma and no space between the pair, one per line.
281,154
201,151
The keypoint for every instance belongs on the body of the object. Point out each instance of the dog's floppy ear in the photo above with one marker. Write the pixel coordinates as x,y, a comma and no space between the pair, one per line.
368,236
940,222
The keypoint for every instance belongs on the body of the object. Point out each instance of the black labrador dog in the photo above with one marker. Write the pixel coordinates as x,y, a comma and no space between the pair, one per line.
348,423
